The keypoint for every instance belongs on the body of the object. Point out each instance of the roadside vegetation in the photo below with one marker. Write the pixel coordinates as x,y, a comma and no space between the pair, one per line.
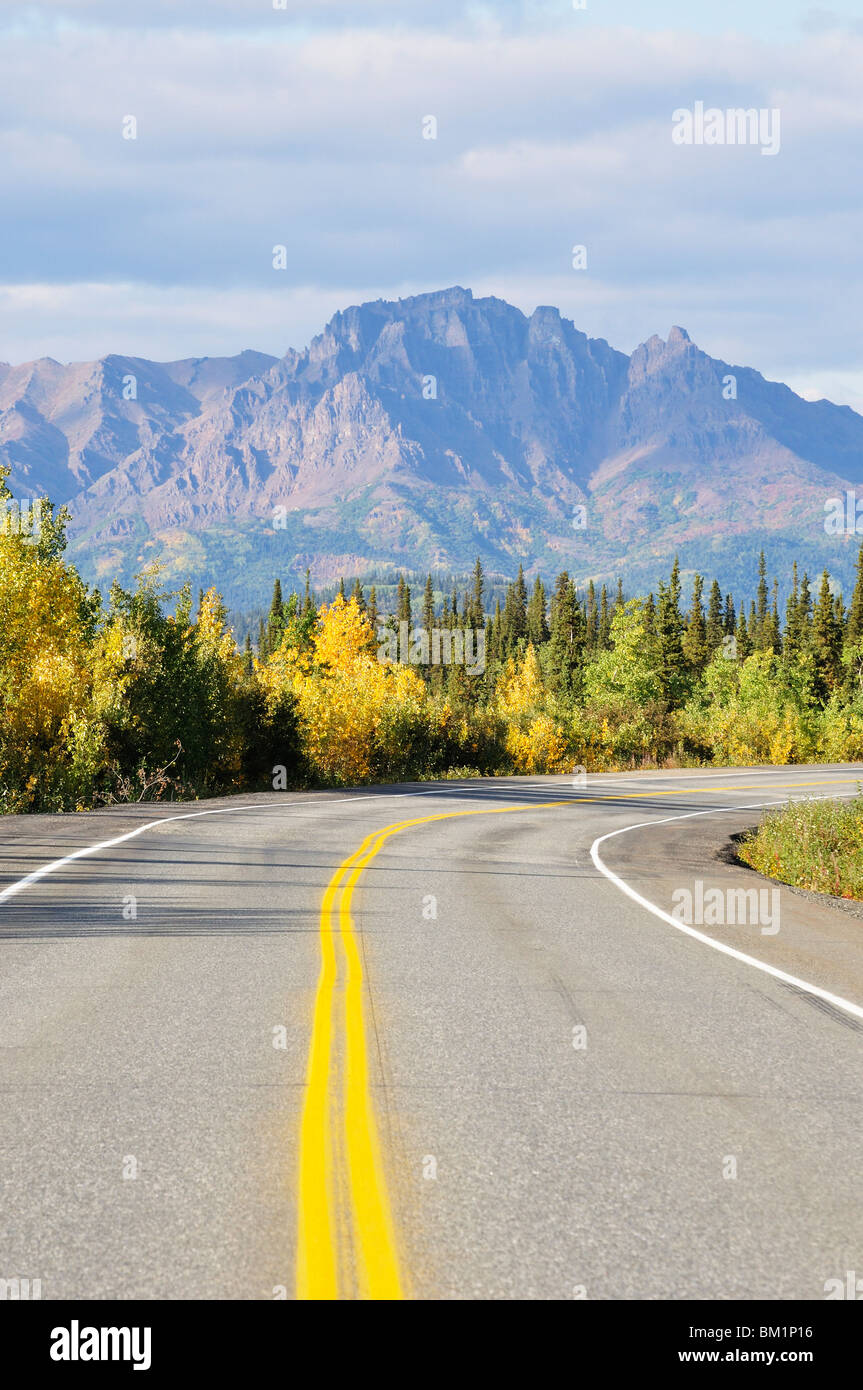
143,694
811,844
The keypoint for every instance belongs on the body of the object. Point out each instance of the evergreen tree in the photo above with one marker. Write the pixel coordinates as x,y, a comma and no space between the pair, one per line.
537,627
758,630
714,631
669,632
744,642
773,629
567,639
276,619
308,601
373,615
695,646
477,608
428,606
515,614
854,621
826,641
403,602
592,621
604,629
804,615
793,619
357,593
650,614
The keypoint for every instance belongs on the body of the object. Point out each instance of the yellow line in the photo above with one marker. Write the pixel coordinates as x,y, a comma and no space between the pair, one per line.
316,1263
377,1261
316,1233
378,1274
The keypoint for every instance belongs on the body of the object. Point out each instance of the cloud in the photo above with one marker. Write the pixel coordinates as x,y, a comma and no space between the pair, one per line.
253,14
315,141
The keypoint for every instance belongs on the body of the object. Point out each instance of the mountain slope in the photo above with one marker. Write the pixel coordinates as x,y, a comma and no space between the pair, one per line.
420,433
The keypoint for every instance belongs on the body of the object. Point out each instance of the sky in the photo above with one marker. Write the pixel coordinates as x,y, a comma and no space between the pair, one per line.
303,127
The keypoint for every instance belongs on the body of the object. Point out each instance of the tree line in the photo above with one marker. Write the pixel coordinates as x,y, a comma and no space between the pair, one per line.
144,693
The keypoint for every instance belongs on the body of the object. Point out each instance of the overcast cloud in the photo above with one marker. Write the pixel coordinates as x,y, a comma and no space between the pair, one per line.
257,128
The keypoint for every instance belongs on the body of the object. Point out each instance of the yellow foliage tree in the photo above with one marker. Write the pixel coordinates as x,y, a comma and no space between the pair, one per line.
44,667
347,701
534,740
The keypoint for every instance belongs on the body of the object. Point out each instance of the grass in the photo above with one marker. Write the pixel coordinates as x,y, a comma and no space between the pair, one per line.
811,844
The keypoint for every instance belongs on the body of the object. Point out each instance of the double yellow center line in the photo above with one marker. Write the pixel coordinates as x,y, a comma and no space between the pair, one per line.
333,1091
341,1163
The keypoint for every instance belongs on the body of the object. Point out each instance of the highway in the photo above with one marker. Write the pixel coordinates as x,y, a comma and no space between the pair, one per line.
438,1041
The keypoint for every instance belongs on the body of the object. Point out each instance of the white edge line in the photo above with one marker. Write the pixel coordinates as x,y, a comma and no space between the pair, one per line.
663,916
18,887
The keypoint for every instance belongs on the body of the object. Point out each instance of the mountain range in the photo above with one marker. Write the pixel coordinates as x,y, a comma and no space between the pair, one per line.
417,434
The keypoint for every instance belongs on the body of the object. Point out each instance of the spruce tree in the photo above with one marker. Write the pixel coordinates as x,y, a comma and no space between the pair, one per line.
650,614
592,620
428,606
403,602
604,628
695,646
308,601
477,608
793,619
276,618
854,620
804,615
515,614
567,638
537,627
826,641
758,632
714,631
669,632
773,629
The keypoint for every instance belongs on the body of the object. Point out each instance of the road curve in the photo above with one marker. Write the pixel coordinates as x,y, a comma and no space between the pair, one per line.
437,1041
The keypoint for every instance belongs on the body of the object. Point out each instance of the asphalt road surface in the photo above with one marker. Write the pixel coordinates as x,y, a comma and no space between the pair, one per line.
435,1041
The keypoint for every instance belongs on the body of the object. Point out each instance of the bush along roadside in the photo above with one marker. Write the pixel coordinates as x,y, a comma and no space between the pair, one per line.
816,845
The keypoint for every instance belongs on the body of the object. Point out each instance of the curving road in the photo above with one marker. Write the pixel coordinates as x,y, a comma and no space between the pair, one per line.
440,1041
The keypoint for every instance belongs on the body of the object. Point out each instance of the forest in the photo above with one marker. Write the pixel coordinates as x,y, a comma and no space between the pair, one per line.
144,694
